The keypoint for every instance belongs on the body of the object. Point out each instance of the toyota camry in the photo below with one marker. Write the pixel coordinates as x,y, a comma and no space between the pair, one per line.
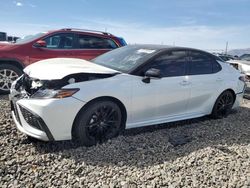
133,86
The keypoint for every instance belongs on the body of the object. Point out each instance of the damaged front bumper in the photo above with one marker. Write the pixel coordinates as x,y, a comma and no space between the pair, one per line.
30,123
44,119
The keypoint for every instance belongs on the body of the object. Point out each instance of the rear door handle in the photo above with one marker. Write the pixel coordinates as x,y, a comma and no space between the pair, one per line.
219,79
184,83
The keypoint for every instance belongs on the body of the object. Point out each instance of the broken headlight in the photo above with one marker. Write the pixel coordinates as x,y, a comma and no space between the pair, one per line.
50,93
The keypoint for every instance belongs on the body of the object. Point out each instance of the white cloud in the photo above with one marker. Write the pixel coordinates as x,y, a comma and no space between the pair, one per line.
18,4
197,36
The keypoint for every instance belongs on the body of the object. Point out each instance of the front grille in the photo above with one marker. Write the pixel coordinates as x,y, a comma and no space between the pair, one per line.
32,119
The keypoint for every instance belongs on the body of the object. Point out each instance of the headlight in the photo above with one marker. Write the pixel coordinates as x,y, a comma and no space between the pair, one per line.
50,93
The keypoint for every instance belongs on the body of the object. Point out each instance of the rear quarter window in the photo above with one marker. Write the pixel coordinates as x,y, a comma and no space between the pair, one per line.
216,67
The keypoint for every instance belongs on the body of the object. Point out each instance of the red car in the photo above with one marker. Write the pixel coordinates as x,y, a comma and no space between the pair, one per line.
75,43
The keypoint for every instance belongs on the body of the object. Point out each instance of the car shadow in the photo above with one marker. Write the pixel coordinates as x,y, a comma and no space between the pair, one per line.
155,145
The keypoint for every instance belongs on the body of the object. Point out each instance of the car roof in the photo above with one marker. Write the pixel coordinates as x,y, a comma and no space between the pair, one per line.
162,47
82,31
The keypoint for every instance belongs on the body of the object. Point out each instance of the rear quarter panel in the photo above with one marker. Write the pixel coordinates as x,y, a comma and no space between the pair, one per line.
231,78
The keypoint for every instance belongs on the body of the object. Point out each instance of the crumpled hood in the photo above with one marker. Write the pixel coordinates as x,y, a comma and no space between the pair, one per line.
243,66
58,68
240,62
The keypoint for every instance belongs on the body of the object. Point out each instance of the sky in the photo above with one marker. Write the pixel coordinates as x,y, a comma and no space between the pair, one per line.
204,24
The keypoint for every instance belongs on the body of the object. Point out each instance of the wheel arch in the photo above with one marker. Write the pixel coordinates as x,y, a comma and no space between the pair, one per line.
229,89
232,91
14,62
104,98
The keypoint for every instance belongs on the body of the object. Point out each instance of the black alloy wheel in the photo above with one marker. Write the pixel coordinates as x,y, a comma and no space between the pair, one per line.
97,123
223,104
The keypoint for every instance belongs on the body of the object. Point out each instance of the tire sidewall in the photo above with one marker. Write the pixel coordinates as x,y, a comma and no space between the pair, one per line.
80,132
215,114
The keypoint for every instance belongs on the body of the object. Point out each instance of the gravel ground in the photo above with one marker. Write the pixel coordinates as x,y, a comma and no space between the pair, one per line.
196,153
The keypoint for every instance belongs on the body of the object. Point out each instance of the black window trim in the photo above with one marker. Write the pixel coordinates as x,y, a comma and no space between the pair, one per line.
77,46
75,40
142,68
58,33
213,61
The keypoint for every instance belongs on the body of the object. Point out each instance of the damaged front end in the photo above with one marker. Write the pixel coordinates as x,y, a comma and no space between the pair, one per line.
27,87
243,67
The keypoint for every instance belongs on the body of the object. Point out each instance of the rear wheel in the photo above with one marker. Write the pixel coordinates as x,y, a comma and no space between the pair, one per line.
223,105
8,74
97,123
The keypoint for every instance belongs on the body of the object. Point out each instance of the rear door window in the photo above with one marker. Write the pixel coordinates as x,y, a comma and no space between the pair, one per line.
93,42
202,63
199,63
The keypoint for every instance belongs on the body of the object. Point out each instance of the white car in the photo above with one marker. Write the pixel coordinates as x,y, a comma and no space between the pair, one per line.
243,65
133,86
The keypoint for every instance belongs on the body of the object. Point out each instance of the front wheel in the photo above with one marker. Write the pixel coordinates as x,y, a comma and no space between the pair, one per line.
223,105
8,74
97,122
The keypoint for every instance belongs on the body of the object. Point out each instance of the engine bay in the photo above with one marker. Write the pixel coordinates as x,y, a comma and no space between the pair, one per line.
32,85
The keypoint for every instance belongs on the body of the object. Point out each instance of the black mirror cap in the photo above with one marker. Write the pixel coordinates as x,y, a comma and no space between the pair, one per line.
151,73
155,73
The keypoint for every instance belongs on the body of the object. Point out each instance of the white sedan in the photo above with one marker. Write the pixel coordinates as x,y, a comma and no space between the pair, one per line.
243,65
133,86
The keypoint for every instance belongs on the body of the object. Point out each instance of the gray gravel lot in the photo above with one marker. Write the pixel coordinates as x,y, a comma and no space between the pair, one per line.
196,153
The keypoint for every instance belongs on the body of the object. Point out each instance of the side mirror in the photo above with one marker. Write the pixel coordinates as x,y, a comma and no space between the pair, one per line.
40,44
151,73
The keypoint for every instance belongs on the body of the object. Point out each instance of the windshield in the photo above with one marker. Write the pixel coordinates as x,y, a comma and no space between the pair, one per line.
245,57
125,59
29,38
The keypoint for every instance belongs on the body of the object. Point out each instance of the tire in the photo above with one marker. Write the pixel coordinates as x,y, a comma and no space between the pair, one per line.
223,105
97,122
8,74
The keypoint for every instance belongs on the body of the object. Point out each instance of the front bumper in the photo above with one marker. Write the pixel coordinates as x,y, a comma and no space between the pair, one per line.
30,123
45,119
238,100
239,97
